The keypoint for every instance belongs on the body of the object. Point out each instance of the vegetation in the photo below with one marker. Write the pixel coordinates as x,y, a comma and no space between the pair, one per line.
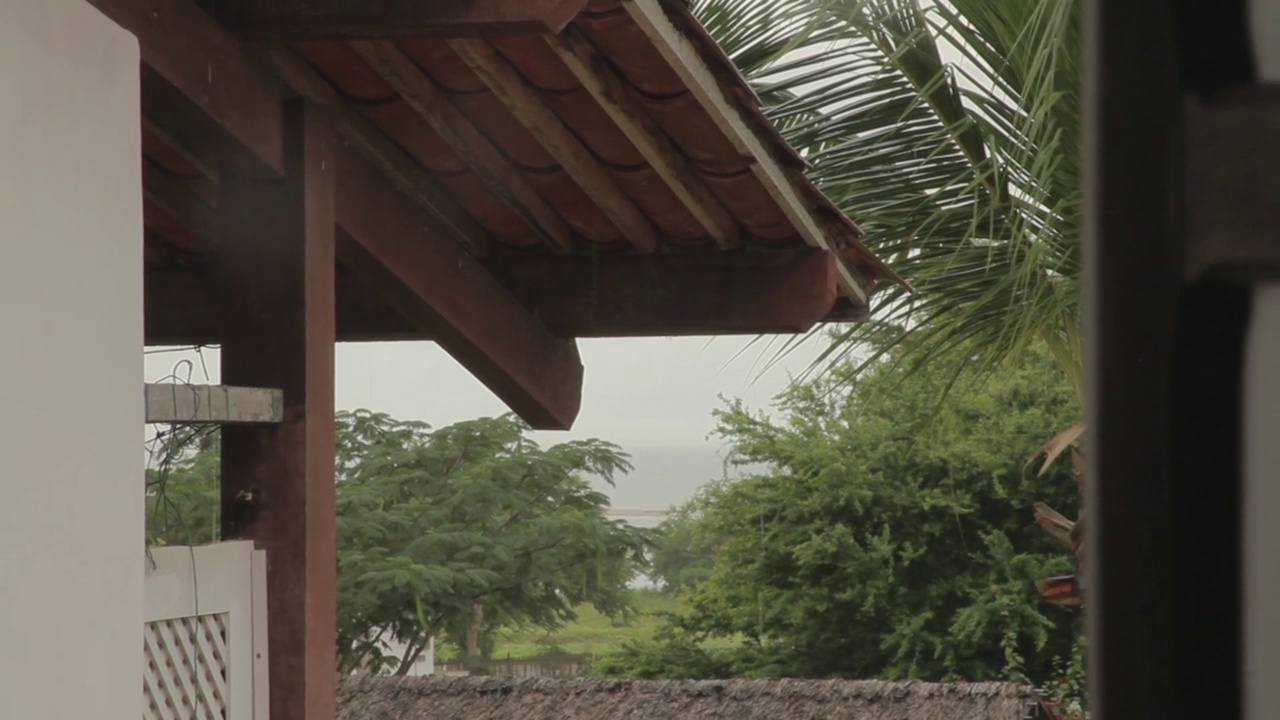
455,532
888,537
890,534
951,133
591,633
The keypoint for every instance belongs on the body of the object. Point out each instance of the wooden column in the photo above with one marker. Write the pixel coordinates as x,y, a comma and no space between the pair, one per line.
277,261
1131,290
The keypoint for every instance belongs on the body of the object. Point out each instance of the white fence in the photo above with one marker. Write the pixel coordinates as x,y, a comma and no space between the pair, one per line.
205,633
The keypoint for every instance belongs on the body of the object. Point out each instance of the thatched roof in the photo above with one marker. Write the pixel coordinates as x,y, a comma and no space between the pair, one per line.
505,698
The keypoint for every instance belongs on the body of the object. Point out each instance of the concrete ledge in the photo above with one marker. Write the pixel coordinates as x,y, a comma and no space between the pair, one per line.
217,404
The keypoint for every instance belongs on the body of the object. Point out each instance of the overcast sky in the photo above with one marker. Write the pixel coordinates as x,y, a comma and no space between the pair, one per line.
652,396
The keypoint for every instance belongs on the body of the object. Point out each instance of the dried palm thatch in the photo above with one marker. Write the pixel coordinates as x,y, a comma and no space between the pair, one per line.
497,698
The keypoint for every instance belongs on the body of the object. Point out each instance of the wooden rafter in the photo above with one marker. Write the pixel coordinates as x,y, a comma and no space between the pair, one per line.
444,291
206,69
485,159
542,122
352,19
686,60
165,149
170,194
403,172
618,99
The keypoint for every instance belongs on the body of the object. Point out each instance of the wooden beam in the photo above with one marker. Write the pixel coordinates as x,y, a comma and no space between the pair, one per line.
402,171
542,122
276,250
661,295
687,61
611,296
354,19
179,403
444,291
619,100
485,159
1132,237
207,70
182,308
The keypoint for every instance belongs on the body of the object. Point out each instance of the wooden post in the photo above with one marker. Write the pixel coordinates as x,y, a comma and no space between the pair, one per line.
277,262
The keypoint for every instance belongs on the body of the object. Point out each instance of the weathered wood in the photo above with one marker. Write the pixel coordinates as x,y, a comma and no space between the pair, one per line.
403,172
179,403
485,159
688,295
276,249
687,61
444,291
208,69
619,101
354,19
542,122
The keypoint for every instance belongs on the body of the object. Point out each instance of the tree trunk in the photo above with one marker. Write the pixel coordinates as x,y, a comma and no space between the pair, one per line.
411,655
473,637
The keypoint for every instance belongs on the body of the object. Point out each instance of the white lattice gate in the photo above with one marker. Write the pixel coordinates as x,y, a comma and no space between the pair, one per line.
205,636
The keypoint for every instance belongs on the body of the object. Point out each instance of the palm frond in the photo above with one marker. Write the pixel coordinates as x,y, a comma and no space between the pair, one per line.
950,133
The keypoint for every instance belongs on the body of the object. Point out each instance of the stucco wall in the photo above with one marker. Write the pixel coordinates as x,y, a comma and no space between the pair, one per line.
71,466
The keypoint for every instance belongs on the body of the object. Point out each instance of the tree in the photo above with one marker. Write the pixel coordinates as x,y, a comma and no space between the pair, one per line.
683,554
451,532
951,133
889,535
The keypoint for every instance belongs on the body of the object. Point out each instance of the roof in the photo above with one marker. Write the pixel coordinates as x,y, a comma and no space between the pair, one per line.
492,698
627,133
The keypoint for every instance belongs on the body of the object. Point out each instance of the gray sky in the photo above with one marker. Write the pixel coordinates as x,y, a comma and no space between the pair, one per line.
652,396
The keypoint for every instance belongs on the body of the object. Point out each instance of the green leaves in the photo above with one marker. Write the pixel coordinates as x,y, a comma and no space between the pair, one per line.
951,133
431,522
880,534
474,512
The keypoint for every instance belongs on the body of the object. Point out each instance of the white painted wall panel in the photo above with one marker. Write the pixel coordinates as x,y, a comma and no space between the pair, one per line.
71,406
1262,508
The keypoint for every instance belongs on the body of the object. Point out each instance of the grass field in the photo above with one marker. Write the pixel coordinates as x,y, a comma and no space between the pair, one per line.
591,633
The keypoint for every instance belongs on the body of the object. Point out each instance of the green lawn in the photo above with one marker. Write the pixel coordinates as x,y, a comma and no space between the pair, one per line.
592,632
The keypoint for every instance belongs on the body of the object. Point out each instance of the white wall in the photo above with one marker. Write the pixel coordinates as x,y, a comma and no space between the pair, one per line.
1262,508
71,525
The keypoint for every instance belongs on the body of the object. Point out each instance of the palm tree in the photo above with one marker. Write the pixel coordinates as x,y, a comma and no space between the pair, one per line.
950,131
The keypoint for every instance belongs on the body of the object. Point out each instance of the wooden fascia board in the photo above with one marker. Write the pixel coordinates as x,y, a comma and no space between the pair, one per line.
685,59
289,20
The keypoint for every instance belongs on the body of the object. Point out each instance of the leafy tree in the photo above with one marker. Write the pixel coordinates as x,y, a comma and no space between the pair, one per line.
890,536
951,132
440,529
183,494
683,554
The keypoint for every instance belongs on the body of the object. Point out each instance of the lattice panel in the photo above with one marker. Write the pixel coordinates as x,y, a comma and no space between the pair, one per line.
186,673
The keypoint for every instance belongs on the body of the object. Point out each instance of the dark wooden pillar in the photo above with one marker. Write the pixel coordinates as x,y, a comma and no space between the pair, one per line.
1165,356
1132,256
277,263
